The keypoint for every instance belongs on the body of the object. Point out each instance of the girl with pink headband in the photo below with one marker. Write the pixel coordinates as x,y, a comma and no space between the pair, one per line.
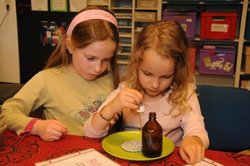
79,75
90,15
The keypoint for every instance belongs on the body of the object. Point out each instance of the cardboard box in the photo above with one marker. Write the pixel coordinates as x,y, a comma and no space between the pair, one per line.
247,50
246,66
147,4
145,16
218,25
98,2
186,19
246,60
217,61
245,84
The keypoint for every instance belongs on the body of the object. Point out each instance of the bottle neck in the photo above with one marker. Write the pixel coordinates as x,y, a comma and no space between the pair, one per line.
152,116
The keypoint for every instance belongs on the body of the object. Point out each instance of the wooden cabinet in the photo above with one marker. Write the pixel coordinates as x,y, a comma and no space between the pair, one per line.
124,14
132,16
146,12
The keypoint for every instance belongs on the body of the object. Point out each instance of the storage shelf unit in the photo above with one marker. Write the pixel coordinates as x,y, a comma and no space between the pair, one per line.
241,7
128,24
124,14
244,75
241,43
132,17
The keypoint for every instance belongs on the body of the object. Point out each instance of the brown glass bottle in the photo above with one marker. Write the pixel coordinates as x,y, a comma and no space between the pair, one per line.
152,137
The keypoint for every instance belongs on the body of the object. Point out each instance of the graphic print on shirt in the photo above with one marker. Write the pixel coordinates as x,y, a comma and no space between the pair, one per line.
89,106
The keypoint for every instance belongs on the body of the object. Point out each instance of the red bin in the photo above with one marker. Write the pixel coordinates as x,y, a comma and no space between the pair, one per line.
218,25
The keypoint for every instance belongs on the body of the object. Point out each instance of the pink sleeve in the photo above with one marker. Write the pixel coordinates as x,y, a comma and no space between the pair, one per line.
89,130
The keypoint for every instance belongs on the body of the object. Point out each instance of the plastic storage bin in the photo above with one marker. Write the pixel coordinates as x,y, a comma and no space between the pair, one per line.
218,25
186,19
220,61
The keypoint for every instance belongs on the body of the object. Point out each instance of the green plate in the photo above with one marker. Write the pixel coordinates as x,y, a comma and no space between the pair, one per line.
112,145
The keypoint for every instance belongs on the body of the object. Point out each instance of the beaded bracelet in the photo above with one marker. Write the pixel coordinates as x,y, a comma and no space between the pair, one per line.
105,118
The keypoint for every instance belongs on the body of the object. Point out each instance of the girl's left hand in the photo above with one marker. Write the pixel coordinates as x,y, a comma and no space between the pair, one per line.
192,150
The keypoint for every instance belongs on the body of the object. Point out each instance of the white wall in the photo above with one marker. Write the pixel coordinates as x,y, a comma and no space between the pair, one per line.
9,55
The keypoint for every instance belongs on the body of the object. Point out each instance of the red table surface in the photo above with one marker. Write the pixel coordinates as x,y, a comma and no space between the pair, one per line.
27,150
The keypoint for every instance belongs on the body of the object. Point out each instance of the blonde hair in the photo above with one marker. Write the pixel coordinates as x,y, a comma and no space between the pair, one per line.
169,40
83,34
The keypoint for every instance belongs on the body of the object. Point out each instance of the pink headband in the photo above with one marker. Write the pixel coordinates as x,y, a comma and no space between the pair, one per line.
90,15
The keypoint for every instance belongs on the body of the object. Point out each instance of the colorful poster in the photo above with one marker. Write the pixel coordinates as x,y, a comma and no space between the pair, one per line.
51,32
39,5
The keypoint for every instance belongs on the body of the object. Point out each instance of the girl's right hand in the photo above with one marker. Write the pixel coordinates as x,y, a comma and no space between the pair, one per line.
127,98
49,130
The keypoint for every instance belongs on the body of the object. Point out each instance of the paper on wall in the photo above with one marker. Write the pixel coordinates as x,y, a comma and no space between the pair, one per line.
77,5
58,5
39,5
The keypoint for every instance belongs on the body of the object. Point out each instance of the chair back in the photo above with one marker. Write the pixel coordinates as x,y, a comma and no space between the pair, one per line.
8,90
226,112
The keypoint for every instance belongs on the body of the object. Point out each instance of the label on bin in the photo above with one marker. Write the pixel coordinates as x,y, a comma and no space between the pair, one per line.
219,28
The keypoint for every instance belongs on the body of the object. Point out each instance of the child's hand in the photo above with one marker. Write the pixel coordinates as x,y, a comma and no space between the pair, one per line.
192,150
49,130
127,98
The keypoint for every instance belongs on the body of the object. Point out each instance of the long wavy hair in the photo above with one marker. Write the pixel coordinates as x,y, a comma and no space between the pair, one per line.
169,40
82,35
